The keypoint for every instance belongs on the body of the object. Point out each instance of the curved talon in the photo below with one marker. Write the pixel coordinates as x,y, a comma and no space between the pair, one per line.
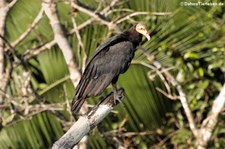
119,95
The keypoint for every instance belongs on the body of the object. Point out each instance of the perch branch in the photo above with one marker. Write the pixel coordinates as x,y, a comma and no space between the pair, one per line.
85,123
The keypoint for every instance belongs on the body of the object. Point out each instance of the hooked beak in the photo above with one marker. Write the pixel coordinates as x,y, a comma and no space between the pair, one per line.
147,35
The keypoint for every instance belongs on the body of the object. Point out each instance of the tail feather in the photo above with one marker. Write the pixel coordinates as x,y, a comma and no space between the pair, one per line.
77,104
87,88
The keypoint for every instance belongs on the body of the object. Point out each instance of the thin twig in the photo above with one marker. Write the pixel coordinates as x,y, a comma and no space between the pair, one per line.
110,6
91,13
26,109
80,43
141,13
97,16
30,53
68,107
164,140
32,26
168,95
152,74
83,25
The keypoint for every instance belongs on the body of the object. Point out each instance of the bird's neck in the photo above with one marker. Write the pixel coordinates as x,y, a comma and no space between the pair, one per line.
133,36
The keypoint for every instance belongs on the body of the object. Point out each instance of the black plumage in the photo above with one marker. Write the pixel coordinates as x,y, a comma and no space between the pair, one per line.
109,60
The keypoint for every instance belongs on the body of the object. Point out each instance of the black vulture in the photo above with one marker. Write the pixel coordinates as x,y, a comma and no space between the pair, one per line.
108,61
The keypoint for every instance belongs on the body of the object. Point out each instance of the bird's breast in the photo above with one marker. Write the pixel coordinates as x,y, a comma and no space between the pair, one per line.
125,53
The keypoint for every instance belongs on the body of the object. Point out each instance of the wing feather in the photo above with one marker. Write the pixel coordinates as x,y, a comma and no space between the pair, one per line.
108,62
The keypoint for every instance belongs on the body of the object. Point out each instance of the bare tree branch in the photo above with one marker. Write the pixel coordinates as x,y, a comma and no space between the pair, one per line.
83,25
26,108
209,124
24,35
203,134
85,123
91,20
12,3
182,95
110,6
184,102
141,13
97,16
4,76
37,50
50,9
30,53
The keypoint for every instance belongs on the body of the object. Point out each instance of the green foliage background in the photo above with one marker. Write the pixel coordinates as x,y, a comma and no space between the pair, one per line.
189,41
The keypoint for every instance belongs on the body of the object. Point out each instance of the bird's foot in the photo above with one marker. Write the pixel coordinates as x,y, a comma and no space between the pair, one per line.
119,95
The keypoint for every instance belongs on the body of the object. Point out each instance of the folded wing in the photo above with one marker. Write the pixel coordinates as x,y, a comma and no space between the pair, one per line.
107,63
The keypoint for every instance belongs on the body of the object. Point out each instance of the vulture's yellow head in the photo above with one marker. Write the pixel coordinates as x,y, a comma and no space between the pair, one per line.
141,28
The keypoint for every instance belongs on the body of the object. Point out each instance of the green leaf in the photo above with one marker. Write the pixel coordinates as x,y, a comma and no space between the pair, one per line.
191,55
201,72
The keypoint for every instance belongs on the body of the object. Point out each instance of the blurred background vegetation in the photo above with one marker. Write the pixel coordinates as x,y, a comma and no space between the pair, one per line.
188,40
